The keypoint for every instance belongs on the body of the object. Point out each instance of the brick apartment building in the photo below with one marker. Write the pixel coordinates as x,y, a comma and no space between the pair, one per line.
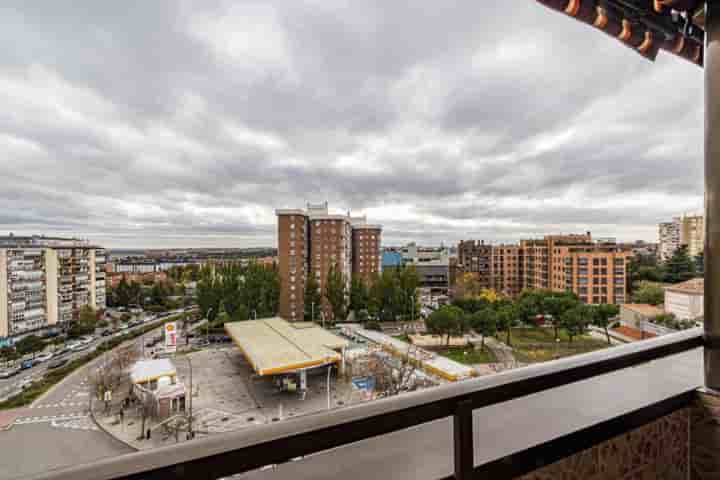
595,270
311,241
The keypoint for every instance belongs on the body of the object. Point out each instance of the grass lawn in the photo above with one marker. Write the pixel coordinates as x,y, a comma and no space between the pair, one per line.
468,355
533,345
403,337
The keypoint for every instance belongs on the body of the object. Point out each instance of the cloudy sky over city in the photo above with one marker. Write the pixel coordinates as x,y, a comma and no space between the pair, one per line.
177,123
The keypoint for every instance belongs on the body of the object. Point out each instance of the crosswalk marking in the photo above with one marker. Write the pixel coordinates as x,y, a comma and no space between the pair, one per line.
49,418
61,404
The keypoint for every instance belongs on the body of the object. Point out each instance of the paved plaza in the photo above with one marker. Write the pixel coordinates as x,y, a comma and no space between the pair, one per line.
228,396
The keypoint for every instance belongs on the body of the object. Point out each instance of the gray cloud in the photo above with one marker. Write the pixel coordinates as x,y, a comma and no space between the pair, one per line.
187,123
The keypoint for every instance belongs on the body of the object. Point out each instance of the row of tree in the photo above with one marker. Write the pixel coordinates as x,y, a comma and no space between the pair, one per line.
390,295
486,314
157,294
238,292
678,268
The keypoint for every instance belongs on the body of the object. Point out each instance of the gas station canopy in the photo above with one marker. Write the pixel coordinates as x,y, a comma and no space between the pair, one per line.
273,346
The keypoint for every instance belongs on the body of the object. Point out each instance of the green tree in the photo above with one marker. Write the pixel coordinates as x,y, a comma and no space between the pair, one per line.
335,293
85,324
446,321
386,300
556,305
530,304
359,294
648,292
643,268
241,313
484,322
602,314
470,305
506,317
208,294
407,284
680,267
29,344
313,298
158,294
122,294
575,321
667,319
700,264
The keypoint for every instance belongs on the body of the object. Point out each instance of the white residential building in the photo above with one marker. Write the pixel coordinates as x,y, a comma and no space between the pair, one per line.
685,300
45,281
688,230
669,238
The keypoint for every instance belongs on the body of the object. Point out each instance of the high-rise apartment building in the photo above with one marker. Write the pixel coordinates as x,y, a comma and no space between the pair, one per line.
692,233
311,242
688,230
476,257
45,281
595,270
506,269
669,238
366,248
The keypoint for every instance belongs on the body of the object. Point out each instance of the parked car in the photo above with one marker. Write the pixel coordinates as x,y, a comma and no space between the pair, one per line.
79,346
87,339
62,351
58,362
43,357
25,383
106,332
9,372
27,364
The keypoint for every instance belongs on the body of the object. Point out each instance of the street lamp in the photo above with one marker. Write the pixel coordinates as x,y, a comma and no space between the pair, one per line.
189,400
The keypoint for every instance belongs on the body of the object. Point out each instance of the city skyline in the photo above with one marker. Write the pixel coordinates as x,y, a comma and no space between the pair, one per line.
456,128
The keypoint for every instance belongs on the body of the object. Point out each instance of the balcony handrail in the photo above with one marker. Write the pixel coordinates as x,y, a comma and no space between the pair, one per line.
242,451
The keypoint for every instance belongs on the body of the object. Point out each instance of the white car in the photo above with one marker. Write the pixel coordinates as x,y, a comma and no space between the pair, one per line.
44,357
86,340
78,346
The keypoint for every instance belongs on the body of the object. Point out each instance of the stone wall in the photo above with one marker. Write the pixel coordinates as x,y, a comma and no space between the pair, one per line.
658,450
705,437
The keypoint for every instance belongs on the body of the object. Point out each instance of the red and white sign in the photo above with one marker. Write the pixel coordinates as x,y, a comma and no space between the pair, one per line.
171,336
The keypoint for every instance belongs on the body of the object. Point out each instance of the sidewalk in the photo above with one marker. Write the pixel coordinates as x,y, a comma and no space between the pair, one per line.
504,354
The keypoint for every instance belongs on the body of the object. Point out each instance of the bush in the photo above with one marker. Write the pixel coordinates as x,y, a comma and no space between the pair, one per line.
373,325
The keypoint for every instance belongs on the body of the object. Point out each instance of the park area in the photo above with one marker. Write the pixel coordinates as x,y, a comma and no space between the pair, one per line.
469,355
537,344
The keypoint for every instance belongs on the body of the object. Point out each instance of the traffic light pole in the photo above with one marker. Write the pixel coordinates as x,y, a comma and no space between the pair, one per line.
712,195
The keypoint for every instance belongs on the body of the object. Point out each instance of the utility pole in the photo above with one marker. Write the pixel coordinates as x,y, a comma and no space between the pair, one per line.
328,386
312,311
189,401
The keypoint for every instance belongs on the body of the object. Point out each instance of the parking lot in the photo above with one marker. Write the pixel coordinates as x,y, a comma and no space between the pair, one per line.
227,395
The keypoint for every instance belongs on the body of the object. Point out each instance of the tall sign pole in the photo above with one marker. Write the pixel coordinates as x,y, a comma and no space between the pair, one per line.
712,195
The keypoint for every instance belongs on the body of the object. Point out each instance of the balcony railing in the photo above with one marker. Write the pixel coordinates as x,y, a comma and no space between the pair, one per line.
220,456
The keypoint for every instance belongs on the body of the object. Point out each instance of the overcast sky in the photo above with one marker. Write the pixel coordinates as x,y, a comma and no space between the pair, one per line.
151,124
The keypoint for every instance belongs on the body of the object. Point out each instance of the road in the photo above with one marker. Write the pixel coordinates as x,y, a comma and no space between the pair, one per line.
56,430
11,386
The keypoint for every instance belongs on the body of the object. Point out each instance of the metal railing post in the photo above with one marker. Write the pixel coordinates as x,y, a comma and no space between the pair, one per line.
712,195
463,440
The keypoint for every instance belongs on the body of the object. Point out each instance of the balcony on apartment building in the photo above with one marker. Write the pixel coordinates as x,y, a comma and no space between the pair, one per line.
632,411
